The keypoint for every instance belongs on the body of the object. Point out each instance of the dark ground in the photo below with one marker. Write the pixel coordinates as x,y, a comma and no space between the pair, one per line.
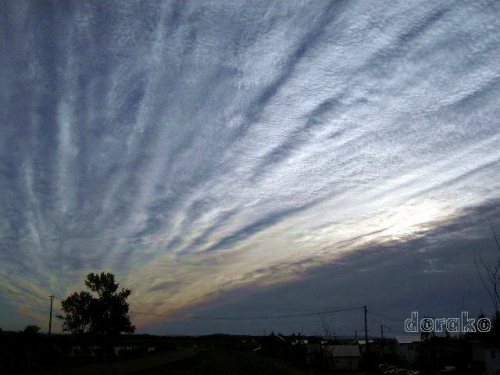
230,362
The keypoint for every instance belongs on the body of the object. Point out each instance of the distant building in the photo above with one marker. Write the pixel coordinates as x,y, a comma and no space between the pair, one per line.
487,356
313,353
407,347
362,345
344,357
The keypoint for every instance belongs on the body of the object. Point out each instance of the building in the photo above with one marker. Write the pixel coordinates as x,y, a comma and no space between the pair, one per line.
487,356
344,357
408,348
313,353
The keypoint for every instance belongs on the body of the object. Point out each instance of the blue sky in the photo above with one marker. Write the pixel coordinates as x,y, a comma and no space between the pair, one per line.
231,158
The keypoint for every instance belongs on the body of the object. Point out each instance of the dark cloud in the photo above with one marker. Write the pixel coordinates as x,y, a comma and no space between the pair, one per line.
434,275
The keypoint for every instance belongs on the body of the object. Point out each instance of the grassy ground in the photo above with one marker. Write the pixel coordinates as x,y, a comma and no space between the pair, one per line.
188,362
228,362
115,366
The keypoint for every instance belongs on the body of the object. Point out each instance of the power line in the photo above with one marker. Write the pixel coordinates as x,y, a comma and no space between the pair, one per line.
249,318
244,324
385,316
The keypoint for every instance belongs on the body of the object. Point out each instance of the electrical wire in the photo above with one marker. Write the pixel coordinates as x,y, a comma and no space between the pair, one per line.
249,318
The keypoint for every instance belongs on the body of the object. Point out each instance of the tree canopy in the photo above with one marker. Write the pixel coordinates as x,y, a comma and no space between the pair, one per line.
31,329
103,313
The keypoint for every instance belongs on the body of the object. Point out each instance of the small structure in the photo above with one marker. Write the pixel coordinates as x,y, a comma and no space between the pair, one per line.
487,356
313,353
407,348
344,357
362,345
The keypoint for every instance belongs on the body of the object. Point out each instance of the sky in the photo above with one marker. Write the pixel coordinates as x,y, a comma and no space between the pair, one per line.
250,160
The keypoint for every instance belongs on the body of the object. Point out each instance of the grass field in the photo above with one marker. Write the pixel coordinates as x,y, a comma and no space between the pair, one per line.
116,366
191,362
228,362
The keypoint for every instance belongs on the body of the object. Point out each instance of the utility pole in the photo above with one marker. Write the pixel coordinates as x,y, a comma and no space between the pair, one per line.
382,333
367,348
50,318
366,329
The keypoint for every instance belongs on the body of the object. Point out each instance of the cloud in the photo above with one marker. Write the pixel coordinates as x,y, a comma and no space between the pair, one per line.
193,149
382,276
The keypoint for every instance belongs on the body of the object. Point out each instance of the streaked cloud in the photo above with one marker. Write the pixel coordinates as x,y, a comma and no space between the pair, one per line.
194,149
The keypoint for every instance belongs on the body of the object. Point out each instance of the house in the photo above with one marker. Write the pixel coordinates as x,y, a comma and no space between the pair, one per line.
275,345
344,357
407,348
300,342
385,349
379,349
313,353
487,356
362,345
248,345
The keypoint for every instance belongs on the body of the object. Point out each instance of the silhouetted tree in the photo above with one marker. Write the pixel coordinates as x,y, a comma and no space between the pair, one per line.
328,327
109,312
77,314
32,329
492,271
104,316
491,282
